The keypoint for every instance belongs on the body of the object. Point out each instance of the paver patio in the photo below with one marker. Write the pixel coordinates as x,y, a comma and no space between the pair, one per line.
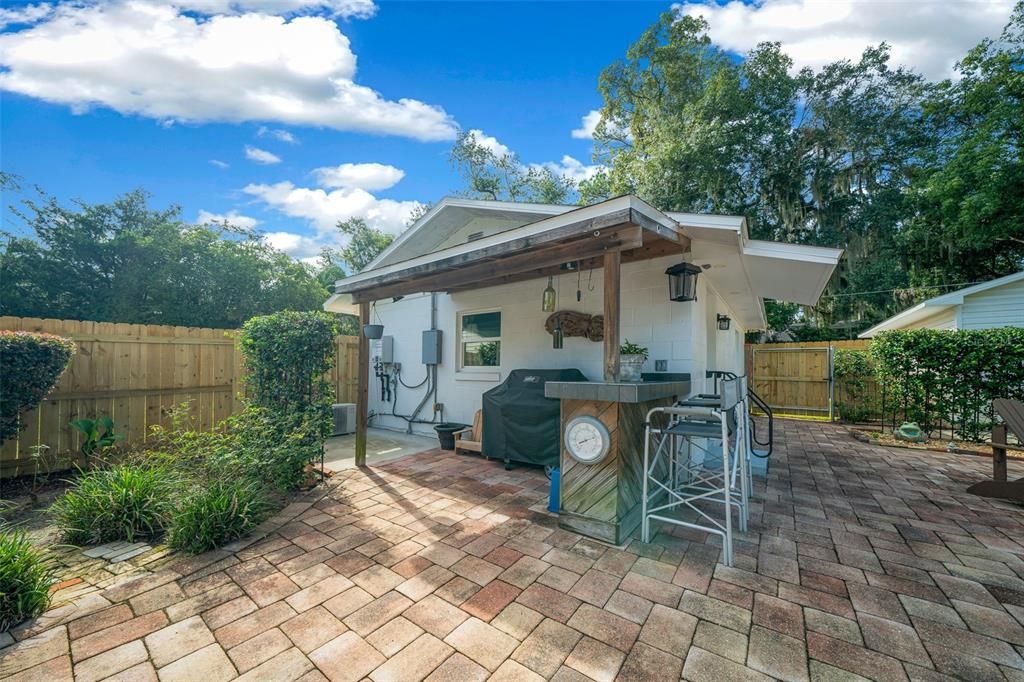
861,562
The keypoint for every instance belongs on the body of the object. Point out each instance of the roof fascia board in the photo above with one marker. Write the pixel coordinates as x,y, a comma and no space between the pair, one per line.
956,297
921,311
452,202
529,230
800,252
714,222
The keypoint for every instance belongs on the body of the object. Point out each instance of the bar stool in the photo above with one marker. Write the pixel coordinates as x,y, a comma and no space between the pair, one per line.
674,480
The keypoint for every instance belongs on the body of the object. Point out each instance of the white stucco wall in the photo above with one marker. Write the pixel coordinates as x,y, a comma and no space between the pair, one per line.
676,332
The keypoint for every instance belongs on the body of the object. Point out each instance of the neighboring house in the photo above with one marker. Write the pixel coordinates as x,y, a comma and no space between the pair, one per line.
476,271
997,303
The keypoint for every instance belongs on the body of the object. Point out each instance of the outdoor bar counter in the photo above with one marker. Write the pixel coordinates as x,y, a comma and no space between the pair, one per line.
602,499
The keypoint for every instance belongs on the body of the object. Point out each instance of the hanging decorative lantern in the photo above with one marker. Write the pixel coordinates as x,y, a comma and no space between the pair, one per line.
556,335
548,303
723,322
682,282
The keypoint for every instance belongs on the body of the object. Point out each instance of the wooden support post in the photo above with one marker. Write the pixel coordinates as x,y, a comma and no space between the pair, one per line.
998,453
363,386
612,271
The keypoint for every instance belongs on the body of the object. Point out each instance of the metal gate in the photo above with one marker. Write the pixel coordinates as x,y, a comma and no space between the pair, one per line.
794,380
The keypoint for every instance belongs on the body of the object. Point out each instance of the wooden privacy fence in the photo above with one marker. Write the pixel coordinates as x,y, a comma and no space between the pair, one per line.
796,378
133,373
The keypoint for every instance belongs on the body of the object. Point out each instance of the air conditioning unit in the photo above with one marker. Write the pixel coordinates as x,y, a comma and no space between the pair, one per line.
344,418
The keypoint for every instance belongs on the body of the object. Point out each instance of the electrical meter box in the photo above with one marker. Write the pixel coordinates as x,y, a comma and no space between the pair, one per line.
432,347
383,349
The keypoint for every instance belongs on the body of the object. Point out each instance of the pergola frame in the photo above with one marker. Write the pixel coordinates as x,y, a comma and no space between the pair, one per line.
606,240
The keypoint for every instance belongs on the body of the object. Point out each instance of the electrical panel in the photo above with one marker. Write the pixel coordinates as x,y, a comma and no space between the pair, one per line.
432,347
383,349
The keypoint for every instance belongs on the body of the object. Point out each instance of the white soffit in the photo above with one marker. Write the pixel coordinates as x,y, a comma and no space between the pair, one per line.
341,303
789,272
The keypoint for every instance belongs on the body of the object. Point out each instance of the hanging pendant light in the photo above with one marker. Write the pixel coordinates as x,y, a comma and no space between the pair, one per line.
548,303
556,334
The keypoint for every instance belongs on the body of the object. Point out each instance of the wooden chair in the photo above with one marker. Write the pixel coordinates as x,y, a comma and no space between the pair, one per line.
470,439
1012,412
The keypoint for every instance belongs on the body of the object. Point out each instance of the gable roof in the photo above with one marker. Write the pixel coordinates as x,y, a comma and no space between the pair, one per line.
937,304
447,250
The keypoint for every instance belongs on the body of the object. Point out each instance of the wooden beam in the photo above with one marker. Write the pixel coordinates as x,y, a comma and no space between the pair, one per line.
493,271
612,272
999,453
362,386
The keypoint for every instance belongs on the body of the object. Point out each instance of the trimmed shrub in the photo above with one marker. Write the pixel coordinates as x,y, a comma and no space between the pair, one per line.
935,377
287,356
216,514
26,573
125,502
852,370
32,363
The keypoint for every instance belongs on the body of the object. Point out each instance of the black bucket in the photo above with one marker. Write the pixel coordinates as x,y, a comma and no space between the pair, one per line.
446,434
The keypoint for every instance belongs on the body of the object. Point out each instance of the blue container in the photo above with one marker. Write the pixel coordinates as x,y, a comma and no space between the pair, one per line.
553,500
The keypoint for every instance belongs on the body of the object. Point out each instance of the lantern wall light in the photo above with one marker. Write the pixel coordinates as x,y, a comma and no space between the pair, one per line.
682,282
723,322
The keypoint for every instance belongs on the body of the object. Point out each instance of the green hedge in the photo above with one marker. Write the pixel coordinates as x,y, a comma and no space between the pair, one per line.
32,363
941,377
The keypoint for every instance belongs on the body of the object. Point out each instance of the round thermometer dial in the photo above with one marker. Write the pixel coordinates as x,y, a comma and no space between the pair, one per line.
587,440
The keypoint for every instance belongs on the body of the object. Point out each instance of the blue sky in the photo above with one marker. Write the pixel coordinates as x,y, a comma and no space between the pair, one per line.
101,98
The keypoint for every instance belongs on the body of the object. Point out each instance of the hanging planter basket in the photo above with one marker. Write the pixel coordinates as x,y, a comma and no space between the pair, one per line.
373,331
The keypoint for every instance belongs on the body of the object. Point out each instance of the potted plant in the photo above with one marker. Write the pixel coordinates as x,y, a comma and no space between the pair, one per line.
631,361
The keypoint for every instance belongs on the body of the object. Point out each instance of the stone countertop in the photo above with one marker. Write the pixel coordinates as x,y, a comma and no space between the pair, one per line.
616,391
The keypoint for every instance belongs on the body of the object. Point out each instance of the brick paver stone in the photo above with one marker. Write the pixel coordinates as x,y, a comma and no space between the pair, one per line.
547,647
209,664
704,666
110,662
318,593
605,627
669,630
249,626
288,665
517,620
346,658
483,643
425,582
414,662
270,589
376,613
392,637
458,668
551,603
174,641
436,616
259,649
721,641
312,628
510,671
108,638
595,660
778,655
489,601
647,664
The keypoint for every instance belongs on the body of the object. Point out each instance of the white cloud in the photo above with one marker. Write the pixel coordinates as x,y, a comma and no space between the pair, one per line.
152,59
587,125
261,155
489,142
324,209
229,218
26,14
928,36
295,245
570,168
368,176
345,9
219,164
277,134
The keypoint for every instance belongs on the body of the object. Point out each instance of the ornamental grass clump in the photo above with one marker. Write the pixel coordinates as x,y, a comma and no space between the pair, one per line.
26,573
125,502
215,514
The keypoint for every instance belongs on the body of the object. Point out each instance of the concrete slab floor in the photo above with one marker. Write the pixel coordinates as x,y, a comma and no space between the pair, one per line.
381,446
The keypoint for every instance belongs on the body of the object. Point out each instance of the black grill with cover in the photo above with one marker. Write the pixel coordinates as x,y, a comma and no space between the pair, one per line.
519,423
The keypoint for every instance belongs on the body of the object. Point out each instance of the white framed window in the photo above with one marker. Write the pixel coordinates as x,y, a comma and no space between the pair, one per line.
479,339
